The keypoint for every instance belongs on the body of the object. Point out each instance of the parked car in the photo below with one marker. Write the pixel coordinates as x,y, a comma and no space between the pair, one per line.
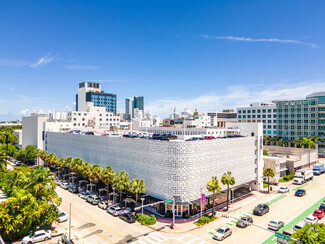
65,185
127,217
261,209
126,210
62,217
275,225
103,205
222,233
310,219
84,195
300,192
62,182
299,225
283,189
318,213
93,199
322,207
37,236
244,222
115,210
103,197
287,233
73,189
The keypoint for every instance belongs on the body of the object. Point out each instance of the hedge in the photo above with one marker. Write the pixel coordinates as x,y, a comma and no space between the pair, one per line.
204,220
146,219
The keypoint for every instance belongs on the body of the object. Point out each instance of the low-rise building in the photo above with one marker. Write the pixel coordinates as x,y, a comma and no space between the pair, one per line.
287,160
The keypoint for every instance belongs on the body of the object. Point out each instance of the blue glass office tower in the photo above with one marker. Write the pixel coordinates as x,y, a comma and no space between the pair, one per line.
91,92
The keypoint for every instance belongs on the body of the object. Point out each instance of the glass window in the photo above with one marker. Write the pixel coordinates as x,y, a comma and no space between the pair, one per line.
258,110
264,110
248,111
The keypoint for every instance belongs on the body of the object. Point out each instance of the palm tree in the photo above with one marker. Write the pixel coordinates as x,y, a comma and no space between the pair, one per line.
7,137
213,186
51,159
121,182
274,140
281,142
95,174
137,187
108,175
3,162
298,141
228,179
268,172
306,142
315,139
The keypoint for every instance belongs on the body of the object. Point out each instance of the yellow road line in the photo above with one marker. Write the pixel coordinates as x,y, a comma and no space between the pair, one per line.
116,233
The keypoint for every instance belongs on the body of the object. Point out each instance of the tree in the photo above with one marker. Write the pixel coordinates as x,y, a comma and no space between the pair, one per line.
274,140
137,187
310,233
228,179
298,141
315,139
281,142
95,174
121,182
7,137
3,162
10,149
108,175
265,152
306,142
268,172
213,186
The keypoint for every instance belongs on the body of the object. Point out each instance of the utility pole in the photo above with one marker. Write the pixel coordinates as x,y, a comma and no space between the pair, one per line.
70,222
173,210
201,203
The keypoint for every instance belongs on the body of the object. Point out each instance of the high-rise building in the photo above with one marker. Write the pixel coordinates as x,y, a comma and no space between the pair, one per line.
219,119
302,118
131,104
260,112
91,92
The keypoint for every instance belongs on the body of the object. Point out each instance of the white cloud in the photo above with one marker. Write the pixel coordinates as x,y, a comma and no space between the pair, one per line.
13,62
237,96
249,39
82,67
24,112
10,88
49,58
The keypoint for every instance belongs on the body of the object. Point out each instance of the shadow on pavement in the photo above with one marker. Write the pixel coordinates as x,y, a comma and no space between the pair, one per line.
85,226
92,233
126,238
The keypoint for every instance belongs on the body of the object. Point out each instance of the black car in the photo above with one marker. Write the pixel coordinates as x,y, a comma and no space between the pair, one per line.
244,222
261,209
300,192
322,207
73,189
127,217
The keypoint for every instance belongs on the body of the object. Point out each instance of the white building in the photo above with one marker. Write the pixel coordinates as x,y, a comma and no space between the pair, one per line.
83,89
32,130
93,118
57,116
172,168
260,112
219,119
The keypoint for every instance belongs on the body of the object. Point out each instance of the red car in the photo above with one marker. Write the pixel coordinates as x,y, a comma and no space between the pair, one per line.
318,213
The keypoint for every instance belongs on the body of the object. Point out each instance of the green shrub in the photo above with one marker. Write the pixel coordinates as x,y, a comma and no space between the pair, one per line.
287,178
146,219
204,220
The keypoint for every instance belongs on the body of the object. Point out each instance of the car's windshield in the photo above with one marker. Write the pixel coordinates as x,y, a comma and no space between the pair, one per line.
31,234
273,223
297,227
61,214
220,231
283,188
309,219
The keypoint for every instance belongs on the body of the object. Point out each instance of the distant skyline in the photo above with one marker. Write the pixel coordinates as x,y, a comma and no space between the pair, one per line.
210,55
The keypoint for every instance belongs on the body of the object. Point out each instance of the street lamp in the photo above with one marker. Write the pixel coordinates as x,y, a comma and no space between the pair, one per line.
113,194
142,199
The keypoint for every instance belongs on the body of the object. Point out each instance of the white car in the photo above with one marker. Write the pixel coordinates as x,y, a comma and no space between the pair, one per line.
114,210
310,219
222,232
299,225
275,225
283,189
62,217
37,236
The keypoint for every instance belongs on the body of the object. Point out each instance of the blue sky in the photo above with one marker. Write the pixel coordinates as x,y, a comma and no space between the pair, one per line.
206,54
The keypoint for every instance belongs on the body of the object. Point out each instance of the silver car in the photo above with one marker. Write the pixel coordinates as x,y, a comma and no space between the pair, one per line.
222,233
115,210
299,225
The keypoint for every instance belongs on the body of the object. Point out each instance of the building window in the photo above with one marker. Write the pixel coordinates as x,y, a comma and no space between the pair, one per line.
258,110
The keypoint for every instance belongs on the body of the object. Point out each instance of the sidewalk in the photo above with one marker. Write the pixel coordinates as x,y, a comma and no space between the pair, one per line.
185,225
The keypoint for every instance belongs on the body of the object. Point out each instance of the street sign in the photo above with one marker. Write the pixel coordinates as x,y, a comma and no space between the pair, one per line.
284,237
169,201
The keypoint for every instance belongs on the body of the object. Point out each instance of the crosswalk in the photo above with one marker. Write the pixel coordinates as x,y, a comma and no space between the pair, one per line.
160,238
